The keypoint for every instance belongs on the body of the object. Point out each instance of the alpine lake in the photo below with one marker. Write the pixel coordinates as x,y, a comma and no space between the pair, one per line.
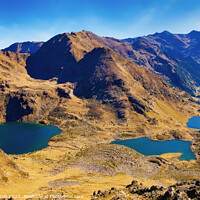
149,147
20,138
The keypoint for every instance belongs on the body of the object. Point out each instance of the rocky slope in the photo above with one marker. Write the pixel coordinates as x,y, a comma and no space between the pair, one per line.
23,98
98,72
24,47
9,170
184,190
95,95
174,56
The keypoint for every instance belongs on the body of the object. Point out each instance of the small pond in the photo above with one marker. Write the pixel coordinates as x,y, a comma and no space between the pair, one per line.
194,122
19,138
148,147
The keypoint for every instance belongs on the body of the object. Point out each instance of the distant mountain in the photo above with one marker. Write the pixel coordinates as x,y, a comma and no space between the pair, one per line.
175,56
24,47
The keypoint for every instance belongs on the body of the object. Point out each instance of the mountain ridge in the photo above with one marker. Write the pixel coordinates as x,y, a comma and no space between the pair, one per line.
172,54
24,47
104,97
97,71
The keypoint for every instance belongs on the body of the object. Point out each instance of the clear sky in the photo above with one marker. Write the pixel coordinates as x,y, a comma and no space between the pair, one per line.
39,20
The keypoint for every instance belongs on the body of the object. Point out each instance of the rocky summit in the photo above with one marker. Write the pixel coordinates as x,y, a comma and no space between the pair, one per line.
97,90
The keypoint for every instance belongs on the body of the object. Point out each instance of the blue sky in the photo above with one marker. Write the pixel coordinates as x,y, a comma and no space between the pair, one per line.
39,20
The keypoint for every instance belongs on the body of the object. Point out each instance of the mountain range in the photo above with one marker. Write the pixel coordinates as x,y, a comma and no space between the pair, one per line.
95,70
176,57
125,73
173,56
96,90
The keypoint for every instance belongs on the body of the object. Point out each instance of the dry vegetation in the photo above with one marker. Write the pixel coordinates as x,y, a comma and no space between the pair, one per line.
81,158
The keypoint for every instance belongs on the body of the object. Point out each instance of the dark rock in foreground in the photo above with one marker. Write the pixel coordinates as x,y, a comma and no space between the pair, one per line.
183,190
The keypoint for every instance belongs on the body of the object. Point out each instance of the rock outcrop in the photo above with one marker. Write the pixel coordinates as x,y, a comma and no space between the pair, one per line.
184,190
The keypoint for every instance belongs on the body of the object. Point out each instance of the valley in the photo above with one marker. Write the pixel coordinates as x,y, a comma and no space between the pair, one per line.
78,83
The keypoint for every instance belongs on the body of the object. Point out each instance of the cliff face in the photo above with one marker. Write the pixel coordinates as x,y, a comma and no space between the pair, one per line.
28,106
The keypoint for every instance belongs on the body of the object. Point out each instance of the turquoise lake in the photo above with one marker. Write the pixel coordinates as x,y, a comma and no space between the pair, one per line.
19,138
148,147
194,122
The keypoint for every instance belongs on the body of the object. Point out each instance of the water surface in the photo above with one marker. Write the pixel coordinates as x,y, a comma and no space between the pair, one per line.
148,147
19,138
194,122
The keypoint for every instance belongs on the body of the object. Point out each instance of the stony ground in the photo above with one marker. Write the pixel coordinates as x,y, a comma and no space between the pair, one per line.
184,190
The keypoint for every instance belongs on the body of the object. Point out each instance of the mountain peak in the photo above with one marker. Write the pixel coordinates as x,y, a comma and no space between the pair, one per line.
194,33
164,33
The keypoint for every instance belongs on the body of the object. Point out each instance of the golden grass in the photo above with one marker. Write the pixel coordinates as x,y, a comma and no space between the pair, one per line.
169,156
41,164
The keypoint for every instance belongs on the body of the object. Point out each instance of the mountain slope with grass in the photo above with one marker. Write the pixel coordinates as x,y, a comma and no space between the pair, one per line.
94,95
173,56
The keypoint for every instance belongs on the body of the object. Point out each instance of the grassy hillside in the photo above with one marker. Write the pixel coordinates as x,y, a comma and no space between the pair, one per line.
110,98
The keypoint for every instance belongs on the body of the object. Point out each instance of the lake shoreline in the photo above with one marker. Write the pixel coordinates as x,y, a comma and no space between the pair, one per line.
25,137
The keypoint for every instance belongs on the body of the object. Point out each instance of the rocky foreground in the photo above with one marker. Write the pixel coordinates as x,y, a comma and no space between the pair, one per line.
182,191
